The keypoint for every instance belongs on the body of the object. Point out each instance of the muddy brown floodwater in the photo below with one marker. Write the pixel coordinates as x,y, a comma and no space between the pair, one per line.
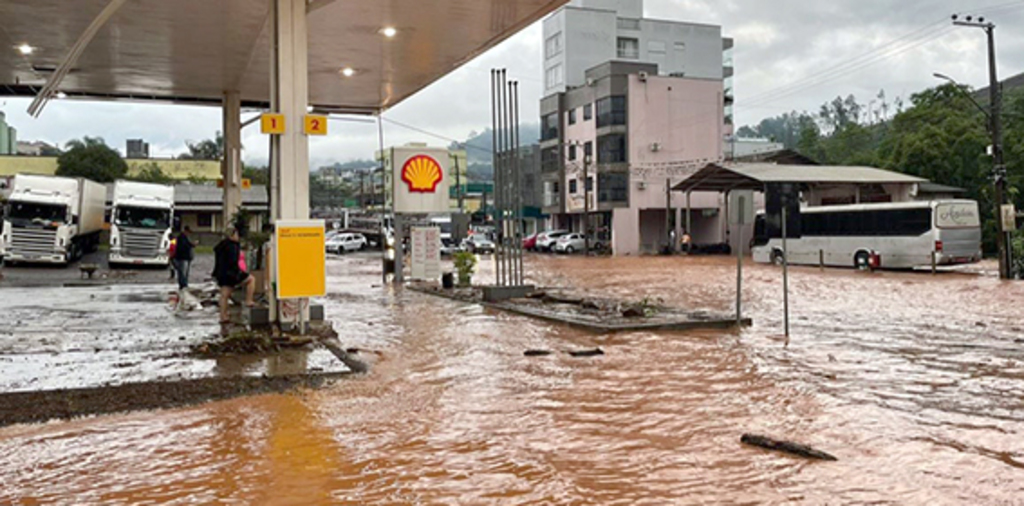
915,382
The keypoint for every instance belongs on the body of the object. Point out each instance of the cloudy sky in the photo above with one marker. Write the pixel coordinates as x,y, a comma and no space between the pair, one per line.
789,55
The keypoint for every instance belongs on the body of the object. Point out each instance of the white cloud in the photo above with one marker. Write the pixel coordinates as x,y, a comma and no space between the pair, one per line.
780,46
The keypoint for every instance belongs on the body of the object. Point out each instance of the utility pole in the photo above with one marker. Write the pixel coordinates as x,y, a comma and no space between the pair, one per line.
362,189
996,129
458,180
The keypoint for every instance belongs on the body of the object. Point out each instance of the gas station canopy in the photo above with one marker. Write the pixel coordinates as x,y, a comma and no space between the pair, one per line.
192,51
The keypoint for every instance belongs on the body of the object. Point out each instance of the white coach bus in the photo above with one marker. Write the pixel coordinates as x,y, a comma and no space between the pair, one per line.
896,236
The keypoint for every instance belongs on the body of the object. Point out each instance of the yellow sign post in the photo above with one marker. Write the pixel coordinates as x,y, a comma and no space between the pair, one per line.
271,123
300,259
315,124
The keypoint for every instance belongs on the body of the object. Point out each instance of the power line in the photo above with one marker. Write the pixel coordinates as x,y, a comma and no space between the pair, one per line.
886,50
432,134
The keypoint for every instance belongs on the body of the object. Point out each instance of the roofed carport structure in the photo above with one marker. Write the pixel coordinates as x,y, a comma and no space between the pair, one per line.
192,51
754,176
724,178
349,56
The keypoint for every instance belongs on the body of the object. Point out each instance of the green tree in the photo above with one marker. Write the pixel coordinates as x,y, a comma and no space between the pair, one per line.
209,149
152,173
257,175
91,158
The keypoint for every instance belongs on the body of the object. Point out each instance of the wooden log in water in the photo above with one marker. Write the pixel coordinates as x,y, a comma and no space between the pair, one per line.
785,446
587,353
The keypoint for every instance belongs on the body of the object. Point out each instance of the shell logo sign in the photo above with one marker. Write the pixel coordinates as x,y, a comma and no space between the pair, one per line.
422,173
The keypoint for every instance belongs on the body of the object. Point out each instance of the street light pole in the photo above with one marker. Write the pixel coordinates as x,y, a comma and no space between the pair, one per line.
996,129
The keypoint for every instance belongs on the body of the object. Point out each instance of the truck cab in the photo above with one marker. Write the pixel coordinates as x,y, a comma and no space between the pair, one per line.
51,219
140,223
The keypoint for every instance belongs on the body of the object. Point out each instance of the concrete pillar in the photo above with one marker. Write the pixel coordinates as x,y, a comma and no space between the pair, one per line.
231,164
290,97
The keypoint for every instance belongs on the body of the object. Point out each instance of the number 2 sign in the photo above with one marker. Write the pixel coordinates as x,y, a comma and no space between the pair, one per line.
272,123
315,124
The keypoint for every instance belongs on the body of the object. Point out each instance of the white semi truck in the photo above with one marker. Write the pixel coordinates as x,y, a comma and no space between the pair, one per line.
140,223
51,219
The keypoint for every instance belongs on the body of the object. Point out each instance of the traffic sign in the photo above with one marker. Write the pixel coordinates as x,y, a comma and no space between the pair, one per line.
271,123
315,124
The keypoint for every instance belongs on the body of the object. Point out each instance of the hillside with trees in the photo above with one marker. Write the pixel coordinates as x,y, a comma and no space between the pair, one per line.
939,135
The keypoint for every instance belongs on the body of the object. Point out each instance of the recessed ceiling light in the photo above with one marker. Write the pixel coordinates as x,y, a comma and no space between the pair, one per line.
348,72
26,49
388,31
62,95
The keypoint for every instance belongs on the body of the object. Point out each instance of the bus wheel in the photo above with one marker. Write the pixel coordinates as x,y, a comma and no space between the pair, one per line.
778,258
862,261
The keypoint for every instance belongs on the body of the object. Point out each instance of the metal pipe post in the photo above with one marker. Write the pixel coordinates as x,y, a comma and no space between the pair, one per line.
785,274
517,193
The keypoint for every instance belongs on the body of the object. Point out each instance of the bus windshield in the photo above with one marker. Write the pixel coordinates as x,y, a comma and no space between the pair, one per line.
143,217
31,213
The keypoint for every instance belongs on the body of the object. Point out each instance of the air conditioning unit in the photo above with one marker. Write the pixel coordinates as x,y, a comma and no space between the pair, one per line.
655,147
642,75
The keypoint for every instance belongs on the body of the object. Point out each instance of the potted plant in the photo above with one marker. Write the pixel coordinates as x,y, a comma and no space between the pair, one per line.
465,263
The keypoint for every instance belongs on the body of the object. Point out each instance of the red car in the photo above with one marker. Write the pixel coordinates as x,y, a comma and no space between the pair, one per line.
530,241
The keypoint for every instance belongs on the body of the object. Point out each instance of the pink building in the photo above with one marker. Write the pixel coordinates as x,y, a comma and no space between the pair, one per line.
634,134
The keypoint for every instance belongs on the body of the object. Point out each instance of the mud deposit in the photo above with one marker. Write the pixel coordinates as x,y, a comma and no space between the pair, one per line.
31,407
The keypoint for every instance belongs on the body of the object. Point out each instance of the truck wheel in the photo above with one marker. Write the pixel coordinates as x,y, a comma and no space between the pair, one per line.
778,258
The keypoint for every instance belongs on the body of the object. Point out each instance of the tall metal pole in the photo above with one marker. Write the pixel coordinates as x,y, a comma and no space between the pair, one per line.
999,169
996,129
384,199
668,211
496,160
785,273
458,182
517,191
586,205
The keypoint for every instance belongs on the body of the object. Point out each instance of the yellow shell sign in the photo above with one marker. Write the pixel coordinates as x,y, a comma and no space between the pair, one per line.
422,173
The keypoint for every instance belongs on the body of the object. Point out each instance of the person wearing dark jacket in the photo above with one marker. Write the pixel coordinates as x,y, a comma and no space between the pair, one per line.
183,255
230,274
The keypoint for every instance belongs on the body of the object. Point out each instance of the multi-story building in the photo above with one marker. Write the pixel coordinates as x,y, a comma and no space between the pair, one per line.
8,137
136,149
638,105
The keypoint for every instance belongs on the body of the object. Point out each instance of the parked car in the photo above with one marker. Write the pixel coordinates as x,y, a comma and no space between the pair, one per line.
530,241
346,242
571,243
449,248
546,240
477,244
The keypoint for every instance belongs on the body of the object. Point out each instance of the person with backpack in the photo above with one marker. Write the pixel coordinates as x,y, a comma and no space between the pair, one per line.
230,272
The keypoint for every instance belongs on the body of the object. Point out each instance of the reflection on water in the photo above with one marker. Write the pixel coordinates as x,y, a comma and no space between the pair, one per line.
915,382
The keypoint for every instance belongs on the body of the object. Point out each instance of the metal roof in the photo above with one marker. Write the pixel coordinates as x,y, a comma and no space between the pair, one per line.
753,176
191,51
939,188
203,194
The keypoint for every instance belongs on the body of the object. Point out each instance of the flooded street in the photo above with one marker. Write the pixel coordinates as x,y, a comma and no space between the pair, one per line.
915,382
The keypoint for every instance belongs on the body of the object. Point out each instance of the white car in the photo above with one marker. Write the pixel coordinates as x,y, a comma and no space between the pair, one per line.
478,244
546,240
571,243
346,242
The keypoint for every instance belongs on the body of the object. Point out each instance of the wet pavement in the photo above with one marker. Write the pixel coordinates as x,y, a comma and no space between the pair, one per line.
915,382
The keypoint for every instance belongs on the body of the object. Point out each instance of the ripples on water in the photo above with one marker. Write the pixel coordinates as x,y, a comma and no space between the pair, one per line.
913,381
